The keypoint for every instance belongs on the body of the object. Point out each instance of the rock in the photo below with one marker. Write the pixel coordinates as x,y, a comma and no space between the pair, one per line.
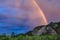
52,28
44,30
39,30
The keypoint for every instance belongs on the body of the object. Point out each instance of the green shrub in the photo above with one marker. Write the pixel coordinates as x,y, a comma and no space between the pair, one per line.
21,37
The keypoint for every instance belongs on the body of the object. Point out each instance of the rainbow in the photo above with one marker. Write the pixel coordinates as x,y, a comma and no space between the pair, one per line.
17,4
41,12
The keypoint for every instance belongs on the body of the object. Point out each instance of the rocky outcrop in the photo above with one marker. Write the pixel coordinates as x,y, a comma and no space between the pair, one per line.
52,28
44,30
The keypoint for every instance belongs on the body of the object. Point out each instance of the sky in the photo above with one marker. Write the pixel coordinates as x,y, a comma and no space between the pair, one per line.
20,16
51,9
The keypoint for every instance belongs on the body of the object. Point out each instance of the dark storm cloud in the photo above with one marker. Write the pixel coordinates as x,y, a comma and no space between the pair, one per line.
7,27
16,29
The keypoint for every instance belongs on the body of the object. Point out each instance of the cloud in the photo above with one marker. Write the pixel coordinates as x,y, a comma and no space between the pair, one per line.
51,9
25,16
2,17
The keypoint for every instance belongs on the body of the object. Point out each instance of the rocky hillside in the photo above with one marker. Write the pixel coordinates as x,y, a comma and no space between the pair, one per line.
52,28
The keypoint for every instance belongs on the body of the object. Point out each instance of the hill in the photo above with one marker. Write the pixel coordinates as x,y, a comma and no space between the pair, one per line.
52,28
